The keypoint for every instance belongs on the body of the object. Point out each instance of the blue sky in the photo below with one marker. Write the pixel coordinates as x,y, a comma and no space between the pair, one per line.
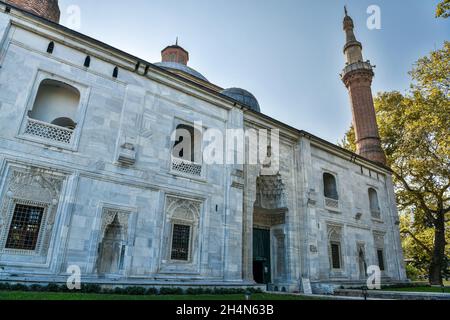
288,53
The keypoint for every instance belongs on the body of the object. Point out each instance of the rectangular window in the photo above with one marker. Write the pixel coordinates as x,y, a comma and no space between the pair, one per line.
25,225
180,242
336,255
380,259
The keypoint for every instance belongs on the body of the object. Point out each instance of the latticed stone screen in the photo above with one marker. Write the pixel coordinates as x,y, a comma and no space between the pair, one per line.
331,203
25,225
48,131
180,242
187,167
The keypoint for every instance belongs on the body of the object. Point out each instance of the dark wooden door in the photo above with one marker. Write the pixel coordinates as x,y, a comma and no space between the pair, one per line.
261,256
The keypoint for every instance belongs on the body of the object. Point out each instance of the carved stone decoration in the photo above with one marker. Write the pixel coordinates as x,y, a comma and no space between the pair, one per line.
127,154
183,209
34,185
378,239
237,179
334,233
109,214
270,192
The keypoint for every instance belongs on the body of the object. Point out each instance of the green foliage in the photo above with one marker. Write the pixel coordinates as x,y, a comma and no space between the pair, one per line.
415,133
443,9
171,291
90,288
412,272
151,291
131,291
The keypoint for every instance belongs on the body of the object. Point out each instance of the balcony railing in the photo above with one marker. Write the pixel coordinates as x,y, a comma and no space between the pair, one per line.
186,167
331,203
48,131
357,66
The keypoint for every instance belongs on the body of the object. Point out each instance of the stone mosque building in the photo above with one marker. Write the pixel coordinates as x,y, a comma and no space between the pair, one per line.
88,176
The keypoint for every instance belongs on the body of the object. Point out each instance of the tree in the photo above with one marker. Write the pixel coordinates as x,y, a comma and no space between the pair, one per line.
443,9
415,133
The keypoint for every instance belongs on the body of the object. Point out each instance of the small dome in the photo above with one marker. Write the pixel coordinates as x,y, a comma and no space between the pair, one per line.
242,96
181,67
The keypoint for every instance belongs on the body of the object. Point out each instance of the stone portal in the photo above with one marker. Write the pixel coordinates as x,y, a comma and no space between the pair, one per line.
269,248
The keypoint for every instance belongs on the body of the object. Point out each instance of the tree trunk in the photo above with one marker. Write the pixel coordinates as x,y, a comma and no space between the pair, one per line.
437,260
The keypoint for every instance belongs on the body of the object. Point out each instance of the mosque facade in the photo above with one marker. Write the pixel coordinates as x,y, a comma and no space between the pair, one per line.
91,174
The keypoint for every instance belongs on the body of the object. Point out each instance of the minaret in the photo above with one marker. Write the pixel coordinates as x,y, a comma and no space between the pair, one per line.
357,77
48,9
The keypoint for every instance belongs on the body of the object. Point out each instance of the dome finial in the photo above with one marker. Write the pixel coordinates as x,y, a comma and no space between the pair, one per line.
346,12
176,42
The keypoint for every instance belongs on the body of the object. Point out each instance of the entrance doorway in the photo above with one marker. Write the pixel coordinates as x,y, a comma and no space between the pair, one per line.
261,256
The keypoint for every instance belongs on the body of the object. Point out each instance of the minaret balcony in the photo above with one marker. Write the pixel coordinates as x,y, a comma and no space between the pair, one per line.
360,65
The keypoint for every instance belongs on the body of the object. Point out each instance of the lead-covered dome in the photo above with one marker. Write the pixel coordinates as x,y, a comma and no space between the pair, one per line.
244,97
168,65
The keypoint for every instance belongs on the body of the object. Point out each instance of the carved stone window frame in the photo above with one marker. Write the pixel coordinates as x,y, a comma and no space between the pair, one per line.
84,90
379,241
35,186
172,203
334,236
13,202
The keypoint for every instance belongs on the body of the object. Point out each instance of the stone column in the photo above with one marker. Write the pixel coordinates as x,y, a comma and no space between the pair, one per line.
234,198
306,202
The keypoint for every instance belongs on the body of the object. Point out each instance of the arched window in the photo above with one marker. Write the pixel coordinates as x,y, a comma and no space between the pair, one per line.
374,204
87,62
187,150
55,101
188,146
330,187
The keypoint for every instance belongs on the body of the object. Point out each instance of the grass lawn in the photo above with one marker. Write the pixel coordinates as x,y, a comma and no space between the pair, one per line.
16,295
419,289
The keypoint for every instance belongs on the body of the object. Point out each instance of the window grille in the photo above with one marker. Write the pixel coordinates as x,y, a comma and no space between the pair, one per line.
25,225
180,242
380,259
336,255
